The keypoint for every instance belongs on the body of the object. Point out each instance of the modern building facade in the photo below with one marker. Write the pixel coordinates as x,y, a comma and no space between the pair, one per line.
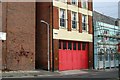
70,35
106,40
118,23
119,9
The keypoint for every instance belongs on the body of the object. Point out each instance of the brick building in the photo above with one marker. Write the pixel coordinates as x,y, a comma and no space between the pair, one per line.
18,22
0,40
70,35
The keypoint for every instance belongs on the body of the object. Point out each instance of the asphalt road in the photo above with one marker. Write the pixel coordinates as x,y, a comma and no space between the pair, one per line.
101,75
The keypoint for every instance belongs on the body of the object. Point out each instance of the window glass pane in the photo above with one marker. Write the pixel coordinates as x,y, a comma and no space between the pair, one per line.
74,24
83,46
105,33
74,46
102,51
74,20
111,55
73,16
106,57
84,4
62,13
100,57
117,56
84,22
64,45
62,17
113,51
62,22
74,2
83,18
79,46
107,53
69,45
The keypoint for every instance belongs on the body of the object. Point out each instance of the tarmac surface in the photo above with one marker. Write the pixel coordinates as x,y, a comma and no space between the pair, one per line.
71,74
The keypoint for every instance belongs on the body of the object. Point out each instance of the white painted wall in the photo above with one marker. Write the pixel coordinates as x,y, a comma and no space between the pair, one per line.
71,35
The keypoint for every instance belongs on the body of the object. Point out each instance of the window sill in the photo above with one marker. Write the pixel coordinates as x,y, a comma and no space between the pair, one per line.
83,31
62,27
63,2
76,5
74,29
85,8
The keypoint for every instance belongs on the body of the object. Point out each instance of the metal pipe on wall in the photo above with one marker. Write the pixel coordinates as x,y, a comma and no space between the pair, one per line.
48,54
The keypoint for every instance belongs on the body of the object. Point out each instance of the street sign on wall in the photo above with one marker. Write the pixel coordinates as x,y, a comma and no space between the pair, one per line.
2,36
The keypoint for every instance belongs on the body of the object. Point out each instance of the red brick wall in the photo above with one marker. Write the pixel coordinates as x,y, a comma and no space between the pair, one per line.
69,1
56,54
44,12
79,4
90,47
0,40
69,20
90,32
80,22
19,24
90,5
55,18
0,55
0,16
90,24
4,51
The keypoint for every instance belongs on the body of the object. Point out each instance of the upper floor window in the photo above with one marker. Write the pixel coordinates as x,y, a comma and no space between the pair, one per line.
74,20
84,22
105,33
84,3
74,2
62,18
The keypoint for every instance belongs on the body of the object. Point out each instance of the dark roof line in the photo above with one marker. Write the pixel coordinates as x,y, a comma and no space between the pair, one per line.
104,15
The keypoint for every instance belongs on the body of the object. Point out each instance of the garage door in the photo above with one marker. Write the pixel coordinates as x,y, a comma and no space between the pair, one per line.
73,55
